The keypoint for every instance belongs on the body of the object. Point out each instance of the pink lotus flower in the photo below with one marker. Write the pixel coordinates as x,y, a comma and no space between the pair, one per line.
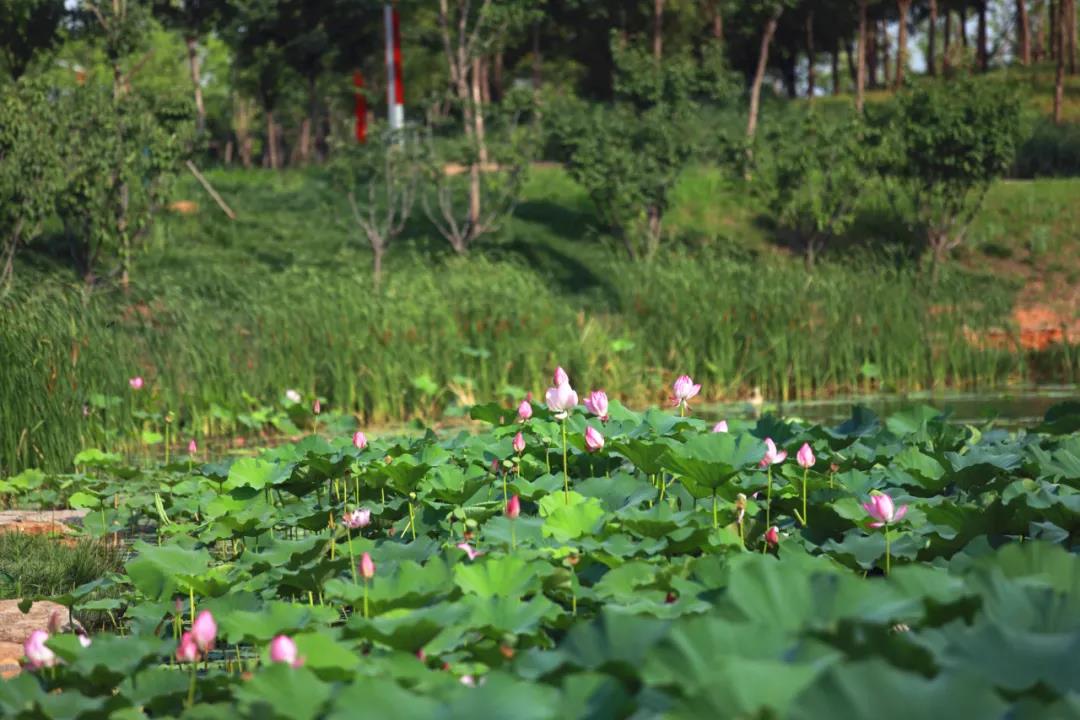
37,655
513,507
519,443
720,427
187,651
882,509
204,630
805,456
136,383
594,441
292,396
283,650
524,410
561,400
772,455
359,440
683,390
560,377
358,518
597,404
469,550
772,536
367,566
316,407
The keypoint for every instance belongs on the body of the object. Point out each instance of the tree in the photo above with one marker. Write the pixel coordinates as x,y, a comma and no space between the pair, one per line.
27,29
950,141
772,11
193,19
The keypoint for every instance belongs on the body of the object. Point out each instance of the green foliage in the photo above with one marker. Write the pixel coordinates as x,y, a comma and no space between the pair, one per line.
28,28
948,141
629,156
627,595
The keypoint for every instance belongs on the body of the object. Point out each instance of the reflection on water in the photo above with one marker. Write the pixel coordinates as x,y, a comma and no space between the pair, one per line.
1011,408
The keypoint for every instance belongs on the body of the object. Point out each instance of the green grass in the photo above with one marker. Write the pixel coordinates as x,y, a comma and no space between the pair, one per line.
230,314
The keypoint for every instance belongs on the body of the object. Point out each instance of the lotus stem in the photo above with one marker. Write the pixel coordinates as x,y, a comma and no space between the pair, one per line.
565,465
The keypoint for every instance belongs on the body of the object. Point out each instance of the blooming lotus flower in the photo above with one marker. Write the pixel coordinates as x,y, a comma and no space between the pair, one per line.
594,441
884,512
192,447
204,630
513,507
283,650
772,455
367,566
561,400
359,440
187,651
683,390
720,427
524,410
560,377
292,396
597,404
805,456
358,518
469,550
519,443
37,655
772,536
136,382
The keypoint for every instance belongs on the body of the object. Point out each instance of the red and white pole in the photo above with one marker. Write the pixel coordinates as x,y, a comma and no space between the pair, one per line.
361,107
395,87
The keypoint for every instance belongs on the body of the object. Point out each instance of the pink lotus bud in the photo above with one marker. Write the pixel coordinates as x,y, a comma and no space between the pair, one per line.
204,630
561,399
496,466
192,447
597,404
720,427
468,681
283,650
882,509
683,390
594,441
316,407
359,440
773,536
37,655
519,443
513,507
358,518
136,383
469,550
56,622
772,455
524,410
187,651
560,378
367,566
292,396
805,456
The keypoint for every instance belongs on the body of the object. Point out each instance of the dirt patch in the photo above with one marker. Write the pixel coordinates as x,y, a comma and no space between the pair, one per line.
1036,327
10,654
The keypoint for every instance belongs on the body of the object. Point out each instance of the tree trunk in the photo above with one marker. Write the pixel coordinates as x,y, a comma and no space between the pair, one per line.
271,141
810,54
759,73
885,65
1052,16
658,29
376,263
948,42
860,80
871,55
1059,48
836,68
717,22
982,52
903,6
849,53
478,112
963,27
1071,25
497,76
1024,33
193,66
931,40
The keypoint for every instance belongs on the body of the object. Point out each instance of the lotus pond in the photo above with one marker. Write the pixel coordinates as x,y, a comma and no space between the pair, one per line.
570,562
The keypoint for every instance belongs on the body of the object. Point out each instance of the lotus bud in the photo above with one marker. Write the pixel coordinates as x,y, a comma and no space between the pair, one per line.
805,456
524,411
204,630
367,566
283,650
597,404
594,441
773,536
720,427
513,507
519,443
187,651
359,440
560,377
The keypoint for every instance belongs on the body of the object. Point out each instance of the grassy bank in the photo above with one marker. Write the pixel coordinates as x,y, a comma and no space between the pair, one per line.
228,315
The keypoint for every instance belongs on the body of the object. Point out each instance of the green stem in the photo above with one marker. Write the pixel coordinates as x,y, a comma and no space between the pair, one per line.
412,520
513,535
715,523
365,598
805,520
191,596
565,465
191,688
352,559
768,500
888,558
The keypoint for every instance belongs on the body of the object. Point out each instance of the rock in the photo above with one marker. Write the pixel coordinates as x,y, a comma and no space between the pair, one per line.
15,627
10,654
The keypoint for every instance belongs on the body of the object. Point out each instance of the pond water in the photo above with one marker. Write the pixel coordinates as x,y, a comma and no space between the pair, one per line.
1014,407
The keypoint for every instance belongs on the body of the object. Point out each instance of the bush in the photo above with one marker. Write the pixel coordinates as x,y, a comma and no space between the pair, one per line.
1049,151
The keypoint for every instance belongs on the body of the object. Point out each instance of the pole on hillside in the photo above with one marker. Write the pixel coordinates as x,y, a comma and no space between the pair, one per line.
210,189
395,87
361,107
